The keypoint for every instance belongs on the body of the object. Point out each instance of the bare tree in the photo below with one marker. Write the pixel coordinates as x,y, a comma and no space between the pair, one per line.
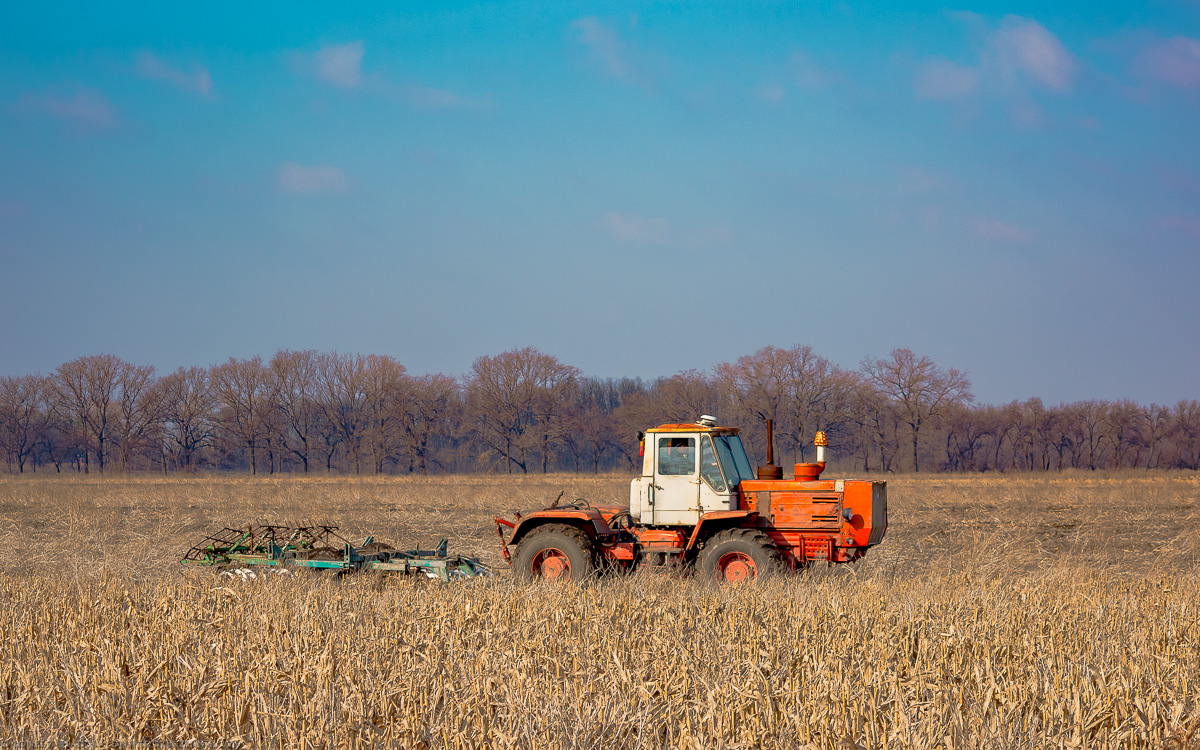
799,390
295,377
1157,428
516,400
137,410
879,422
1084,423
86,390
922,390
386,390
682,397
24,416
242,388
188,415
1124,424
1029,448
1185,433
429,407
344,397
966,430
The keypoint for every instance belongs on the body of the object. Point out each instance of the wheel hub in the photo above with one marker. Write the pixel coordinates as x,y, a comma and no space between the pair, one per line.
737,567
552,564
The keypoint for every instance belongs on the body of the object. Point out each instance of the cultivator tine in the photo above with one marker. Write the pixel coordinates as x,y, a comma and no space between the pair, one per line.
322,548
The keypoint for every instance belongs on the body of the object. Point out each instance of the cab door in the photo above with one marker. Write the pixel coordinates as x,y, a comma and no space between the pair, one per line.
676,489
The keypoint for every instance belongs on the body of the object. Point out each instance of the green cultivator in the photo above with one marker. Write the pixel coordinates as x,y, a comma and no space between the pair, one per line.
322,548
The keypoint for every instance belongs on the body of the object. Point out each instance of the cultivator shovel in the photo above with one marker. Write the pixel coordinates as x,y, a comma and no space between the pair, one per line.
285,548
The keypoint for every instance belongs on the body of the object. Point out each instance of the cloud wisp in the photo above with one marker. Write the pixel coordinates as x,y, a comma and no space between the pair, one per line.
341,66
312,180
1015,58
634,229
1025,48
604,47
420,96
85,110
150,66
1174,61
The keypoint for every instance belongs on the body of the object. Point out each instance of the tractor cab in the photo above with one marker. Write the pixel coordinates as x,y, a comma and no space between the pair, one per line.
687,470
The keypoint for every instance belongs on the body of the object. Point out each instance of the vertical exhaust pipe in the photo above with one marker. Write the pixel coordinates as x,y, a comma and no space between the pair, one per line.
770,471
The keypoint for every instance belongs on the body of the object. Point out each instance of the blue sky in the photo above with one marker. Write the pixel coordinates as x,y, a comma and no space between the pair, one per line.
637,189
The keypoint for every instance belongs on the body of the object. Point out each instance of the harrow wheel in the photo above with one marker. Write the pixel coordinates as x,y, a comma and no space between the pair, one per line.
554,552
739,556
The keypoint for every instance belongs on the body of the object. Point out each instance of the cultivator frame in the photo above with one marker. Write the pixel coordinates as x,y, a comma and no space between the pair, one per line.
322,548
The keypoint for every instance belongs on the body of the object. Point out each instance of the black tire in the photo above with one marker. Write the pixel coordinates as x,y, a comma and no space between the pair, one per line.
739,556
554,551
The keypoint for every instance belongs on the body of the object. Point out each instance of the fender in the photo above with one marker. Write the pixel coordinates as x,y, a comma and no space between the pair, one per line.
591,520
719,520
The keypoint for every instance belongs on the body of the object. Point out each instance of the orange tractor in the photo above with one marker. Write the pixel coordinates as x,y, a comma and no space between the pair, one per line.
698,505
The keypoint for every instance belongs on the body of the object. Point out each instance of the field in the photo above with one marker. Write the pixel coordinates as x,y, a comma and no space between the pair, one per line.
1028,611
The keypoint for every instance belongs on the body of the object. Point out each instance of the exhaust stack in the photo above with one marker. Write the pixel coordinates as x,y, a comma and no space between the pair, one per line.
770,471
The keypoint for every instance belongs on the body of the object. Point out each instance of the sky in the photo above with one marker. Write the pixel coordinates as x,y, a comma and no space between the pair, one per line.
1012,189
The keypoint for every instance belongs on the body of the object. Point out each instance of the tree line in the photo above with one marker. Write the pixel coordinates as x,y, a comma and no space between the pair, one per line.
525,411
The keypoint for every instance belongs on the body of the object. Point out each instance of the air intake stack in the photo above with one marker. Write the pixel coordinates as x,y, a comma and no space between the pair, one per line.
811,472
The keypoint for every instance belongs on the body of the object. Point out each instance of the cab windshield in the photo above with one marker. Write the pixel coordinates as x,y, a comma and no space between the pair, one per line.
732,457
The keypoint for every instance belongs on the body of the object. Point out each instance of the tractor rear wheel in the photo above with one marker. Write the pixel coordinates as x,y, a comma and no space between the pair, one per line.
555,552
739,556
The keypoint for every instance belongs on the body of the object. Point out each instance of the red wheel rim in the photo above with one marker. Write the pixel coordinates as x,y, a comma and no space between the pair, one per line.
736,567
551,564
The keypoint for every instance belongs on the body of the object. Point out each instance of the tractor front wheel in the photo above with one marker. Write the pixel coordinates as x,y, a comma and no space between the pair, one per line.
739,556
554,552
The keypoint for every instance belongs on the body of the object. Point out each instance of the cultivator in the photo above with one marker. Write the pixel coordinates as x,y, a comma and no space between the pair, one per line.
322,548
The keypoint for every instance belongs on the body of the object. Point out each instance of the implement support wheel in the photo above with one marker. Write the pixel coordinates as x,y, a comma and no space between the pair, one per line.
554,552
739,556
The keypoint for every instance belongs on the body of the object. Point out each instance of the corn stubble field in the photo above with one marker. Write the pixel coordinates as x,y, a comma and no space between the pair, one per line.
1001,612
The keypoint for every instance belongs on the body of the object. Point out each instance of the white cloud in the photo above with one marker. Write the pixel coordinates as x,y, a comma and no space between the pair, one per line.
997,230
87,109
604,46
633,228
322,178
151,66
1025,46
340,65
1175,61
943,80
1019,55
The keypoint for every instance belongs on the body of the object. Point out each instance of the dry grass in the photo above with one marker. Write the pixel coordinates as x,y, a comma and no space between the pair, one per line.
1001,612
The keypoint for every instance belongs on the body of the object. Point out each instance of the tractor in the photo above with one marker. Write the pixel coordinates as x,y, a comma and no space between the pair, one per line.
698,506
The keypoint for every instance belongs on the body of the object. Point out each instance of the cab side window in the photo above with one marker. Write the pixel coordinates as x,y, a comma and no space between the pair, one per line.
676,456
708,466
